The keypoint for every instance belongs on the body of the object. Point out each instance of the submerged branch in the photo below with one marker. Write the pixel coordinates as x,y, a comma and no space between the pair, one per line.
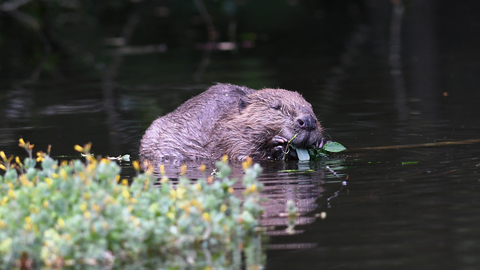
471,141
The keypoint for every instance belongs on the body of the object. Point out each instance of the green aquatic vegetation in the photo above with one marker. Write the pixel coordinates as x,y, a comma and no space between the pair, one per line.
409,162
288,147
291,210
329,147
333,147
75,214
313,153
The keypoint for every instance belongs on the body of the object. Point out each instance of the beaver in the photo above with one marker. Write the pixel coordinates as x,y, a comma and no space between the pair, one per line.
236,121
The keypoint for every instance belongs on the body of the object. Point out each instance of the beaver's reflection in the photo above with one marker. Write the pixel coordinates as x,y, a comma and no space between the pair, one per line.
300,182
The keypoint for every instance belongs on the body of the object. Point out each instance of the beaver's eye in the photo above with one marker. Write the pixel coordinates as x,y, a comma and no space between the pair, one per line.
276,105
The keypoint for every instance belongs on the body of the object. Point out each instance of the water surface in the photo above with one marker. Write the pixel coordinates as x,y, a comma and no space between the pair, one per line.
407,208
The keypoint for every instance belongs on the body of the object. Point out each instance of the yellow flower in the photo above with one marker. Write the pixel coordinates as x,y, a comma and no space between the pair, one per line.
117,178
206,216
202,168
230,190
3,156
83,207
48,181
63,174
21,142
173,193
149,170
87,214
183,169
136,166
251,188
54,175
40,157
4,201
28,219
171,215
87,147
164,179
223,208
45,204
225,158
61,223
162,169
86,196
125,182
3,225
17,159
90,158
11,193
180,192
126,194
247,163
133,200
198,187
78,148
3,167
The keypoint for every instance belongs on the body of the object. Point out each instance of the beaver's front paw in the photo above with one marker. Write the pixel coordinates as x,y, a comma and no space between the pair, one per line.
277,147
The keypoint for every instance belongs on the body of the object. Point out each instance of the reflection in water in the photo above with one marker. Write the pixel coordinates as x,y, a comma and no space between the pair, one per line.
396,62
301,182
302,188
421,45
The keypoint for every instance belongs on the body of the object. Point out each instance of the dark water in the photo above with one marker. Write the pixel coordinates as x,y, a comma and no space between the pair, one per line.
404,79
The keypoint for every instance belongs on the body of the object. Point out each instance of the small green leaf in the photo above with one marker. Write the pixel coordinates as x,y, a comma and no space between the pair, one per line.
333,147
302,154
409,162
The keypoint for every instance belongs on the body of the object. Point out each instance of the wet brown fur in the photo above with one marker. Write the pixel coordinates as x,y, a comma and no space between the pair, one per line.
248,131
232,120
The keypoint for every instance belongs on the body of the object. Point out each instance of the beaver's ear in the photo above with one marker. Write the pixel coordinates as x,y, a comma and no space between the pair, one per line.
276,105
242,104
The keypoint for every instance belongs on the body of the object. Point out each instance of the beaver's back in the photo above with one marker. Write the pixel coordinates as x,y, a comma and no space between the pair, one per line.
183,133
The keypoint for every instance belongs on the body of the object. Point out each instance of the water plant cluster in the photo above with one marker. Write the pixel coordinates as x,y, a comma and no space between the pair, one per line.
75,214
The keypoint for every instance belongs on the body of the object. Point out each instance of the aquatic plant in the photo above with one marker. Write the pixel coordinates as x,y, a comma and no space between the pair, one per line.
76,214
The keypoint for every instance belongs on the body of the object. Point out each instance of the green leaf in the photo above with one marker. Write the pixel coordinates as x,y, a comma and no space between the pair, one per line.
409,162
334,147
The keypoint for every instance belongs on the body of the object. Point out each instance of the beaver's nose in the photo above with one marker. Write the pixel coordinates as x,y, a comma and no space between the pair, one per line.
306,122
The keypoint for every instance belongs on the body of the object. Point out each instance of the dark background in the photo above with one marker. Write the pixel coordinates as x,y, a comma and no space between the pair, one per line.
63,58
378,73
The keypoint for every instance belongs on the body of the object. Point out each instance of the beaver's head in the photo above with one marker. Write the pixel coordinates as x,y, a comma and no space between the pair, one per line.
264,123
286,114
